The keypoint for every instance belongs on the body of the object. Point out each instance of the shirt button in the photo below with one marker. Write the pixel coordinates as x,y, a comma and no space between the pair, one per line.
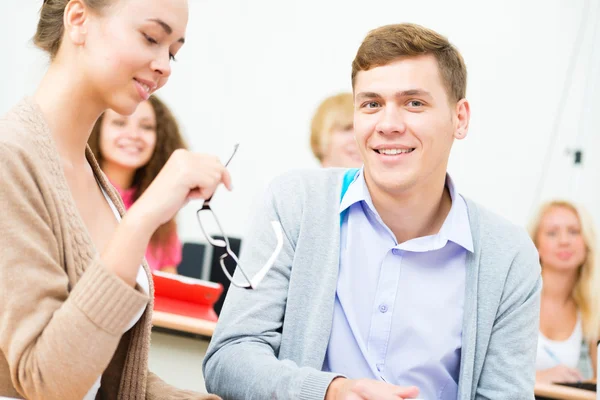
396,252
383,308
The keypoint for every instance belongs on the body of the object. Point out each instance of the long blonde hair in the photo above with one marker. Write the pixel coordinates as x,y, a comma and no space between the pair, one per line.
587,289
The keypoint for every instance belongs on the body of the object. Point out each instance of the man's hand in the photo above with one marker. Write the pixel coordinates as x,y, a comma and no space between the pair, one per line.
368,389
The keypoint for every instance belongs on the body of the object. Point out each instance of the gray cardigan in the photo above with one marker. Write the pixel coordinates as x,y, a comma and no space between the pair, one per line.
270,343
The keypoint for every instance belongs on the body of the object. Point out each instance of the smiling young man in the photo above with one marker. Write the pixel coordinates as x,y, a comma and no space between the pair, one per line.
390,284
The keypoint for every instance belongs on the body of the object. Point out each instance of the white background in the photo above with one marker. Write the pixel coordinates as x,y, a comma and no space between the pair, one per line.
253,72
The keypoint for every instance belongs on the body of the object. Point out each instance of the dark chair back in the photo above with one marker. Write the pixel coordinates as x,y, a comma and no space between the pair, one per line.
192,260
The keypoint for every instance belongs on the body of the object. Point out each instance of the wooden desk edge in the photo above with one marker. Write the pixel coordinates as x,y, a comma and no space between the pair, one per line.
184,324
563,392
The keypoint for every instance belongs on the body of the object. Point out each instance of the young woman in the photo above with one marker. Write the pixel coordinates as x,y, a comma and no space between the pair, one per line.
570,315
75,293
131,150
332,133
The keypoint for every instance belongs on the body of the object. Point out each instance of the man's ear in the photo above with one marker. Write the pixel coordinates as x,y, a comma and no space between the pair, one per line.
463,117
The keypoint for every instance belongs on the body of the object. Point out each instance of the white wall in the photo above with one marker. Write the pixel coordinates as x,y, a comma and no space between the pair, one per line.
253,72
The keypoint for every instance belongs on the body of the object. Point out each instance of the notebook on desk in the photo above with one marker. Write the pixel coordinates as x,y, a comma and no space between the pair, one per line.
181,295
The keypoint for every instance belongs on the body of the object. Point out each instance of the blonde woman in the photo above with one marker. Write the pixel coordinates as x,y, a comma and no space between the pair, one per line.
332,134
76,295
570,315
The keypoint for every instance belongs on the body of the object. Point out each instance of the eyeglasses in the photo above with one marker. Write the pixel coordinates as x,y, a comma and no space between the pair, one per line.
207,217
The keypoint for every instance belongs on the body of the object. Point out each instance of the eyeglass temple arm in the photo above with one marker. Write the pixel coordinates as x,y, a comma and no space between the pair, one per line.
276,225
207,201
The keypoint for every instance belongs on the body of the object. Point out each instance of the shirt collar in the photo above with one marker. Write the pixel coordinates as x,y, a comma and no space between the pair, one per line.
357,191
456,227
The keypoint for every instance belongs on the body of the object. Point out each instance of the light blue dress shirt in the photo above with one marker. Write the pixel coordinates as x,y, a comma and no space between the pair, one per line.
398,311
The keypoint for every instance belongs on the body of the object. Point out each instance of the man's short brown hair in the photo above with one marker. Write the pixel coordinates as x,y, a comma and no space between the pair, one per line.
391,42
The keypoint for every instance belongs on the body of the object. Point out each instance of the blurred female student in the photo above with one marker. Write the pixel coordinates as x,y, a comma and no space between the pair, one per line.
570,315
332,133
131,150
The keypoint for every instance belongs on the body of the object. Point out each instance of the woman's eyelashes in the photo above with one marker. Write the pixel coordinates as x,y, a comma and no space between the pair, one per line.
153,41
150,39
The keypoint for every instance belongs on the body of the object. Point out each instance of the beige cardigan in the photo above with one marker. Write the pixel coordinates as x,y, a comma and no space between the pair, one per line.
62,313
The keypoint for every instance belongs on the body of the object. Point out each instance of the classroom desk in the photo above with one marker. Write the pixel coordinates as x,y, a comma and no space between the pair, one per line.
183,324
551,391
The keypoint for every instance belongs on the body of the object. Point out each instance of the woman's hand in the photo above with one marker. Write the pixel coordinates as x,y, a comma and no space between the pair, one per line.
185,176
560,373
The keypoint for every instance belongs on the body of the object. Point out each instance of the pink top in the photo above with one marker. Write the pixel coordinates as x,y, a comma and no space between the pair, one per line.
157,257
